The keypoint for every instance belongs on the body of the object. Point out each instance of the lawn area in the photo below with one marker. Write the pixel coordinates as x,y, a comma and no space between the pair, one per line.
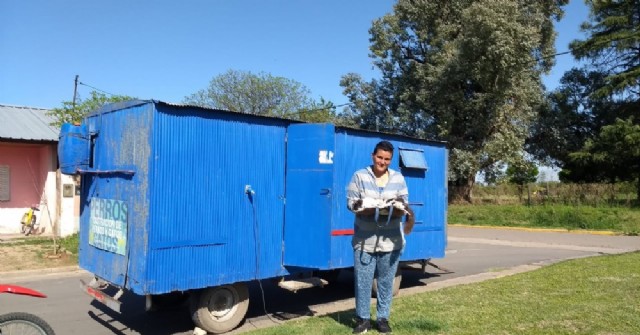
37,252
623,220
596,295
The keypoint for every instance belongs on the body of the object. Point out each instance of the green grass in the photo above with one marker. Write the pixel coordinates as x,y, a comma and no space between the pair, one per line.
597,295
619,219
69,243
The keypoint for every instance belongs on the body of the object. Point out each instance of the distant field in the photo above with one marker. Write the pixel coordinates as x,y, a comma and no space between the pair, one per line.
619,219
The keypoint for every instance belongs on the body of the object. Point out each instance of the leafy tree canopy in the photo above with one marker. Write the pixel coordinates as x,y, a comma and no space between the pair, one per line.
522,173
464,71
69,113
260,94
616,151
613,44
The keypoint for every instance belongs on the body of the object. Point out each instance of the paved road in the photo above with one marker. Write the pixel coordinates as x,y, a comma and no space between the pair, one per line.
473,254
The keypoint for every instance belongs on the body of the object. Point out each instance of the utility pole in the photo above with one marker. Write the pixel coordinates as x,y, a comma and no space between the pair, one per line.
75,92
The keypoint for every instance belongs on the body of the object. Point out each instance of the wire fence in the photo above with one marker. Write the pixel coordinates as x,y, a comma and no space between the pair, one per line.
618,194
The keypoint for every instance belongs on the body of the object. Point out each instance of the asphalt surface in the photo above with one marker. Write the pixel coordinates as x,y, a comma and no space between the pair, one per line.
473,255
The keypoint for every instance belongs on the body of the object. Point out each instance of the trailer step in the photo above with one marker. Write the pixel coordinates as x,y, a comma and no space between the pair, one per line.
295,285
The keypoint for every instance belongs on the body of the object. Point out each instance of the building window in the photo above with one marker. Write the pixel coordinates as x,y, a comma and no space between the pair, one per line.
5,190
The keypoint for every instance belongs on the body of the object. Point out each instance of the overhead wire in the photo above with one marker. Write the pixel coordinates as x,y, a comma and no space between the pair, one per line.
351,103
95,88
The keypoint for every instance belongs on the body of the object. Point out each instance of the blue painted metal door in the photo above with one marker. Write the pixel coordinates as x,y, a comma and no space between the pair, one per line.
307,238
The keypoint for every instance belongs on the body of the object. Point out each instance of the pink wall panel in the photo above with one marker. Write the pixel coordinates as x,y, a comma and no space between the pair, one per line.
27,172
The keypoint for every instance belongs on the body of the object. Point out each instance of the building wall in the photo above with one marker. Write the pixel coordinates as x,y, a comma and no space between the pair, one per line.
33,182
69,207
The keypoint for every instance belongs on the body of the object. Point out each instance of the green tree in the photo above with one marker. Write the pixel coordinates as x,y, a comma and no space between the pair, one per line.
261,94
464,71
571,115
522,173
615,152
608,95
69,113
613,44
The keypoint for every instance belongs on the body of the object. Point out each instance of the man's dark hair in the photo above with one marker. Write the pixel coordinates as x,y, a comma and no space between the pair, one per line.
383,145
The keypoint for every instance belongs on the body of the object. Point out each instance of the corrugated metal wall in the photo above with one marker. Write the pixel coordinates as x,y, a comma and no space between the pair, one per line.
321,162
121,142
191,223
204,229
427,192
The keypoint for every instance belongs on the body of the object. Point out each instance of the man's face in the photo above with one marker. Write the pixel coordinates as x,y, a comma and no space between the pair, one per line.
381,161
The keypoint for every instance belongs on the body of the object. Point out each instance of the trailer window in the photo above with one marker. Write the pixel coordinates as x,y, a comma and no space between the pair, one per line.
413,159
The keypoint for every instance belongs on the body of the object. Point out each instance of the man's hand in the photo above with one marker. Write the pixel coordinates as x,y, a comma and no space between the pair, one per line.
357,204
409,222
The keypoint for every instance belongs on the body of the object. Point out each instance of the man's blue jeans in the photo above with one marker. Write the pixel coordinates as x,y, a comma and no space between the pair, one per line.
384,266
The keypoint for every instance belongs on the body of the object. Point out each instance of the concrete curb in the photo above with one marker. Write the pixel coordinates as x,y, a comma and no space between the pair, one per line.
551,230
37,272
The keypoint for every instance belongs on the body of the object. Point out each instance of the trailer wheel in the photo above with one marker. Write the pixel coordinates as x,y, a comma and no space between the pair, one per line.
329,275
220,309
396,284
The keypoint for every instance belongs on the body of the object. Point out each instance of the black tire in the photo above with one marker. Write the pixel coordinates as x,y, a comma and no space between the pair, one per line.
24,324
396,284
220,309
32,225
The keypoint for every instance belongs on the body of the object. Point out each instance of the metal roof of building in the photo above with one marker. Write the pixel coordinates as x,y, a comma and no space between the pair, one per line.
27,124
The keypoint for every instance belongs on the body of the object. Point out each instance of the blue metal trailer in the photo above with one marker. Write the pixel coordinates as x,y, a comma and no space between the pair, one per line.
186,199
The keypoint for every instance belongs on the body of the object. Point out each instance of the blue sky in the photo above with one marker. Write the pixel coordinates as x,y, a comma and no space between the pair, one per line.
167,49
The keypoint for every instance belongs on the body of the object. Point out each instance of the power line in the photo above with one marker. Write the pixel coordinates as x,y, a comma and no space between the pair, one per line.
584,46
294,113
351,103
95,88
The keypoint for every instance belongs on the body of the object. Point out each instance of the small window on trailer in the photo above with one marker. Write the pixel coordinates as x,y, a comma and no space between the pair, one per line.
413,159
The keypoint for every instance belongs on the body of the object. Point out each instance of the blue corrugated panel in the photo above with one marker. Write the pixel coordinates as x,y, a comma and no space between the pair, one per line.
178,197
321,161
190,223
310,169
120,144
427,190
203,222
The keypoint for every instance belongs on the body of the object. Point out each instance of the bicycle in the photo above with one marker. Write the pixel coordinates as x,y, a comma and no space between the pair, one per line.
19,323
29,221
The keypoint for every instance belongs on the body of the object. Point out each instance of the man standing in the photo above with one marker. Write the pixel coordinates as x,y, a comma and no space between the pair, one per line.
378,239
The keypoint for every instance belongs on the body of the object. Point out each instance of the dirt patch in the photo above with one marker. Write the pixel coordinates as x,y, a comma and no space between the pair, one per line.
23,255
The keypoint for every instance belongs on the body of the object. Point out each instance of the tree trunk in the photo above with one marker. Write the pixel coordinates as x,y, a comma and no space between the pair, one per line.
520,191
638,192
460,190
